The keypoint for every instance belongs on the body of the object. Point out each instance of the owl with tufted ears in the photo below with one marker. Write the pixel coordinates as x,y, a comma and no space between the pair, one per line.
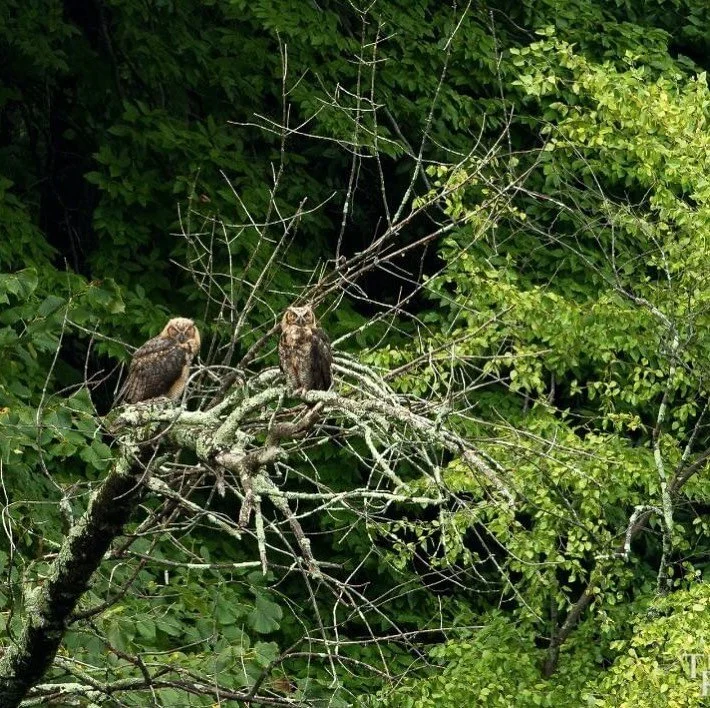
161,366
305,355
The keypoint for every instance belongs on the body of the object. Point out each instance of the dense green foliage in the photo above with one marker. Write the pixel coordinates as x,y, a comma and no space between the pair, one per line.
562,322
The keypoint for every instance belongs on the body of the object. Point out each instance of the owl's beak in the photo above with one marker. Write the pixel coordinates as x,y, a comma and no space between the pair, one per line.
182,338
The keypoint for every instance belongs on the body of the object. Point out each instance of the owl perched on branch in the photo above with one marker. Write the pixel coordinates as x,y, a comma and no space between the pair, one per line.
162,365
304,351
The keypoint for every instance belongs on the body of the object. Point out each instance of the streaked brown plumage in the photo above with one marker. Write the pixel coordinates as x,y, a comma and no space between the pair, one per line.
304,351
161,366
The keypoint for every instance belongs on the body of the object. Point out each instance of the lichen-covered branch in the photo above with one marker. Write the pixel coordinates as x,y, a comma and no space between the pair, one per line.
49,606
243,441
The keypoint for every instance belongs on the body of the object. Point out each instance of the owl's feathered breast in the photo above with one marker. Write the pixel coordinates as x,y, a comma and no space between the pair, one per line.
154,370
294,348
305,357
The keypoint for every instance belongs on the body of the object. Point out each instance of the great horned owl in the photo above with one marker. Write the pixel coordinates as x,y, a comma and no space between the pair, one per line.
304,351
162,365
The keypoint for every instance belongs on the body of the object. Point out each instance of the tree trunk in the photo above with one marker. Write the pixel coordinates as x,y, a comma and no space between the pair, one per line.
49,607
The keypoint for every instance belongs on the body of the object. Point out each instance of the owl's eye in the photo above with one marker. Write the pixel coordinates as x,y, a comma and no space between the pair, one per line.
172,331
290,317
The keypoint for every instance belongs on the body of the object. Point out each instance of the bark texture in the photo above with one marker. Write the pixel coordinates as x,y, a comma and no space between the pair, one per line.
49,607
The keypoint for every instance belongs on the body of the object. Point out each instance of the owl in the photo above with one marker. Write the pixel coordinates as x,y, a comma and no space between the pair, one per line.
162,365
304,351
